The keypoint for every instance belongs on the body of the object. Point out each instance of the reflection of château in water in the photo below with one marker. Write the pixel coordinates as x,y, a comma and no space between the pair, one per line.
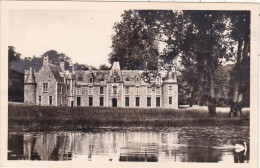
53,85
113,146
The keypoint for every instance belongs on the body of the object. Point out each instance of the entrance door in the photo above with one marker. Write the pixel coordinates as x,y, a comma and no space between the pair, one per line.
114,102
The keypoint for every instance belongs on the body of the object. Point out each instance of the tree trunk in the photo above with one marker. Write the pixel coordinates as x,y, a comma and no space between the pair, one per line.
192,99
234,106
211,95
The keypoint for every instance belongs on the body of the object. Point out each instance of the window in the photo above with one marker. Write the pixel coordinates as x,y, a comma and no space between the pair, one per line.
79,78
157,101
90,91
49,76
40,100
45,87
137,90
60,89
170,90
137,80
148,101
158,90
114,89
78,101
149,90
90,80
137,101
127,101
50,100
78,91
101,90
90,102
101,101
127,90
114,80
157,80
60,100
170,100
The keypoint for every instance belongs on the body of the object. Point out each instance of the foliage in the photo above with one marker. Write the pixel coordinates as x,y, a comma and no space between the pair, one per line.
132,44
104,67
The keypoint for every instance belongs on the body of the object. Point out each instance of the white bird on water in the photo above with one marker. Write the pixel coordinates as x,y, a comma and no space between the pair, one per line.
238,147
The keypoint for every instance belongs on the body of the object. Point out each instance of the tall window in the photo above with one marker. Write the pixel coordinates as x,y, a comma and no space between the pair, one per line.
90,90
40,100
137,90
170,100
49,76
60,99
114,89
60,89
45,87
137,101
101,101
90,101
158,90
78,90
149,90
90,80
127,101
158,102
127,90
78,101
101,90
170,90
50,100
114,80
148,101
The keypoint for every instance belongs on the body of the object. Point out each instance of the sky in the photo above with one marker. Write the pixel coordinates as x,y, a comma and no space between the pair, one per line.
83,35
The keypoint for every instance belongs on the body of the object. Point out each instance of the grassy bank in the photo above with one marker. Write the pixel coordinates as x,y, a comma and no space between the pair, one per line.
37,118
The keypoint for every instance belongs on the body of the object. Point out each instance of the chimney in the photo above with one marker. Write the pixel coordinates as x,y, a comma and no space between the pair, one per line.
62,65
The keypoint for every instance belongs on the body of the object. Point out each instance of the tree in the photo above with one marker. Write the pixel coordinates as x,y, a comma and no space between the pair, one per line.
15,75
104,67
208,46
240,23
132,44
55,58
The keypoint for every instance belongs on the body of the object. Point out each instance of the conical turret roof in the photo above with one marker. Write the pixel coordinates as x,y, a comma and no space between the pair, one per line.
30,77
170,77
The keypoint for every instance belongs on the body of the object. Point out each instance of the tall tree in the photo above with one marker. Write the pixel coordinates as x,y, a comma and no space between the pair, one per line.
208,46
132,44
240,23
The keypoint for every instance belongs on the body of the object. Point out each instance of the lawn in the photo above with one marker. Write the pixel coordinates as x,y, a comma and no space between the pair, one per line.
38,118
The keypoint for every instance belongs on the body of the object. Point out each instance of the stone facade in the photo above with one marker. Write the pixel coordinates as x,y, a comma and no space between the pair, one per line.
54,86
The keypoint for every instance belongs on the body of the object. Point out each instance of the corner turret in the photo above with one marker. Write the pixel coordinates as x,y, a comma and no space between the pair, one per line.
30,88
170,90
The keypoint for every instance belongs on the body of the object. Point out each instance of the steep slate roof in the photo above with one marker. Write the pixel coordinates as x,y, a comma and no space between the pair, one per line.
56,71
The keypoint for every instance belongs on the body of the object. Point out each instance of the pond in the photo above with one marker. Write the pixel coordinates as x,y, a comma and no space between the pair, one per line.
178,144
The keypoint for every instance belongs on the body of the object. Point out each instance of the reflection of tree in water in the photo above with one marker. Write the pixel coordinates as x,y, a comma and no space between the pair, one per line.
201,151
15,146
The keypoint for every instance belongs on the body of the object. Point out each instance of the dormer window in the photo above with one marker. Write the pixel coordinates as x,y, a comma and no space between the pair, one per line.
49,76
157,80
90,80
102,79
114,89
114,80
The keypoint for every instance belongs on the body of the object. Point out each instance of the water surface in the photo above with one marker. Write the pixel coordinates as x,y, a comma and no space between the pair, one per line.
184,144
